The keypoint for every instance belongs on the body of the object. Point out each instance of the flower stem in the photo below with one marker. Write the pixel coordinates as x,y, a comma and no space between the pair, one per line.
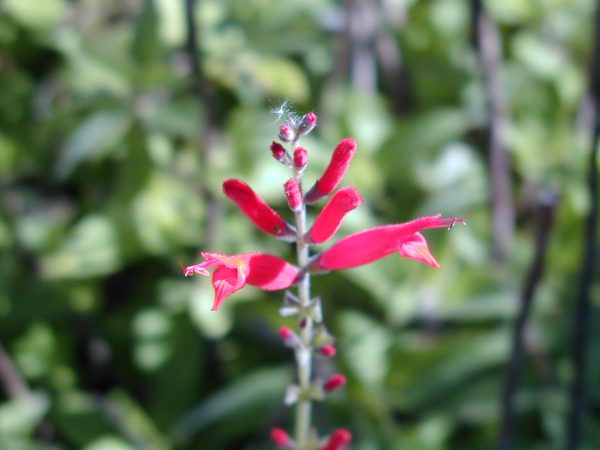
304,352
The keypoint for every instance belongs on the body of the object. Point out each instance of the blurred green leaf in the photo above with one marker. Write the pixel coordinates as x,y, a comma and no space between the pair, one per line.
92,139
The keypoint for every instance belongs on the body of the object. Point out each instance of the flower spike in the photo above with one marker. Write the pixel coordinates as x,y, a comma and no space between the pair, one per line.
257,210
233,272
330,218
340,160
375,243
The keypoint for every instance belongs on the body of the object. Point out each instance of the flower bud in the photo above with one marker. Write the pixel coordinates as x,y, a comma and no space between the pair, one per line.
334,382
286,333
286,133
279,153
328,351
300,158
293,194
280,438
309,121
338,440
340,161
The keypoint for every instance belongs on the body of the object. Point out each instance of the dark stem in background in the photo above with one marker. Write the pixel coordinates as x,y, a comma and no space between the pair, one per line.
583,308
545,209
209,130
367,45
487,42
11,379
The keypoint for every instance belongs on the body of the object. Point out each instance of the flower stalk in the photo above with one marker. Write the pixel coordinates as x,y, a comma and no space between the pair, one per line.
304,352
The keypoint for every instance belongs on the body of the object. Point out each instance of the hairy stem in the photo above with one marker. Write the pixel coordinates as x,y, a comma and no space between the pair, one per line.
304,353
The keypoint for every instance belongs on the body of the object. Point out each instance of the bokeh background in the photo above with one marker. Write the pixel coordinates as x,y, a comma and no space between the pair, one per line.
119,120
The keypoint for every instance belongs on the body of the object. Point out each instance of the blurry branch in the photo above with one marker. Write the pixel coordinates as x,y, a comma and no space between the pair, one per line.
11,379
209,132
545,209
583,309
366,42
488,44
362,24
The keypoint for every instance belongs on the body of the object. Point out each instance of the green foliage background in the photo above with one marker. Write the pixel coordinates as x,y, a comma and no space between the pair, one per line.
101,174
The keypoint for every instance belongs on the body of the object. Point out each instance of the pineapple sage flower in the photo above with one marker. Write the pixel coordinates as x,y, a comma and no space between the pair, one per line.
270,273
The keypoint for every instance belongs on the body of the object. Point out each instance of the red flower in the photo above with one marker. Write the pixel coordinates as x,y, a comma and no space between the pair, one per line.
375,243
330,218
233,272
340,160
338,440
263,216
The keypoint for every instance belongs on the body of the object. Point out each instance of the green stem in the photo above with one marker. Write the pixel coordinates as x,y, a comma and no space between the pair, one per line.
304,353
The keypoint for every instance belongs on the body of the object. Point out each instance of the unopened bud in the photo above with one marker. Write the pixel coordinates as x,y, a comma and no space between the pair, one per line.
286,133
280,438
334,382
309,121
338,440
328,351
300,158
293,194
278,152
286,333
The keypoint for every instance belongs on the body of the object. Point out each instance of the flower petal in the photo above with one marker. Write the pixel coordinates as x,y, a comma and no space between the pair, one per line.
226,281
416,248
330,218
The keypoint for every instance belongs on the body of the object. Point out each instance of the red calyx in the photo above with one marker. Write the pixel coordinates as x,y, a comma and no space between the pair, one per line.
293,194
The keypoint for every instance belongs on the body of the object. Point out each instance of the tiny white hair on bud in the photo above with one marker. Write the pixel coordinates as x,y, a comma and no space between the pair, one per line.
284,112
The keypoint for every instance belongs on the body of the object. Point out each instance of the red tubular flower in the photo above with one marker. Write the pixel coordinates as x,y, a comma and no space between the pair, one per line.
233,272
375,243
263,216
334,382
339,439
340,160
330,218
280,437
